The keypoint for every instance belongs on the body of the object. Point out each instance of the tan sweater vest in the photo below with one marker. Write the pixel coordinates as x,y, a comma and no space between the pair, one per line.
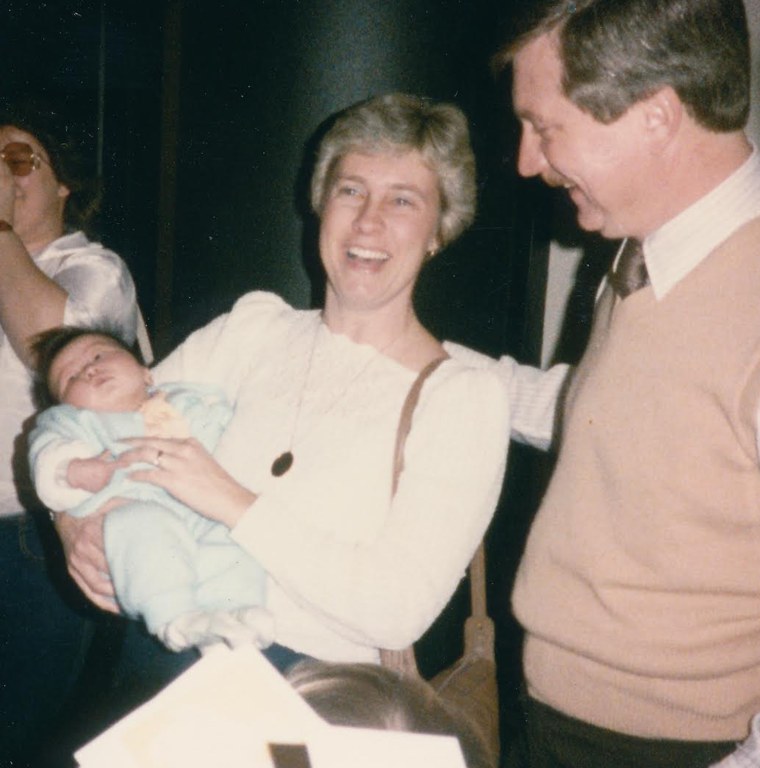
640,585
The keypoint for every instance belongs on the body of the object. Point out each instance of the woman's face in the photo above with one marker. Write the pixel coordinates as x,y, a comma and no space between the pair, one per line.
39,198
379,220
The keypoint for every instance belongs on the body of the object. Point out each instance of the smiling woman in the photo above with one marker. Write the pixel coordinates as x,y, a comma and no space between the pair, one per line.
302,476
393,183
379,224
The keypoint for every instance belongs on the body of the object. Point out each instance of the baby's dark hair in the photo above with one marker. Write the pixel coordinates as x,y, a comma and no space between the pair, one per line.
46,347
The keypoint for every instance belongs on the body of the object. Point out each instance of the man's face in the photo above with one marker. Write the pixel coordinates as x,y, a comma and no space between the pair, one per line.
606,169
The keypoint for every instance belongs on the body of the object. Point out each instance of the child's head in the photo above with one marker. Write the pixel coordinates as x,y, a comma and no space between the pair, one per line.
89,368
371,696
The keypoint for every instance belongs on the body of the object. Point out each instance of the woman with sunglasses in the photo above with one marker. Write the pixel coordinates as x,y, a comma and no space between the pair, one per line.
50,274
303,476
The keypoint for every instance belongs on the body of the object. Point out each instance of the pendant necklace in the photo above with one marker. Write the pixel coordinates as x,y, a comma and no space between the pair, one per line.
282,464
285,460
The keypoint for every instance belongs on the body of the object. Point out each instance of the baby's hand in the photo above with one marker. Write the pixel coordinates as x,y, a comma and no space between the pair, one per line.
93,474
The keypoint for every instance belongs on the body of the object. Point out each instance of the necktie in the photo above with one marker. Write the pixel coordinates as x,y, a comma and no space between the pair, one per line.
631,271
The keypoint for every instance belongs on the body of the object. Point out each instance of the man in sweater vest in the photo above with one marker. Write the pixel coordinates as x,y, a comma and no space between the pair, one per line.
639,589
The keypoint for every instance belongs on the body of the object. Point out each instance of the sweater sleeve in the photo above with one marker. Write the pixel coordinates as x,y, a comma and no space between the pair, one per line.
220,353
387,592
54,442
50,475
534,394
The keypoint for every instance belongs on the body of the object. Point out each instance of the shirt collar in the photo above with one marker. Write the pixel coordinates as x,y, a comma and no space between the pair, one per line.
679,246
67,242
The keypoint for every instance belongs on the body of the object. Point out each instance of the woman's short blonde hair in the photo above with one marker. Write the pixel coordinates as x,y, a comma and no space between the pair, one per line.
398,122
371,696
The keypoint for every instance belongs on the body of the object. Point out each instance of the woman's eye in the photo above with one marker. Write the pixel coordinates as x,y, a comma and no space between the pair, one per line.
403,201
348,190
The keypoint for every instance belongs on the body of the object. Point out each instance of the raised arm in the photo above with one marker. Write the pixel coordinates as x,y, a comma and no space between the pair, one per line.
30,301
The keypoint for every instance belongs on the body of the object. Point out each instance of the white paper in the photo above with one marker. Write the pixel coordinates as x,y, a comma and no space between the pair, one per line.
230,702
230,706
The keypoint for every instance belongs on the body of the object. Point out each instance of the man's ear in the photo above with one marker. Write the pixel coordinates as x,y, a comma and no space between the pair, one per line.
63,191
662,113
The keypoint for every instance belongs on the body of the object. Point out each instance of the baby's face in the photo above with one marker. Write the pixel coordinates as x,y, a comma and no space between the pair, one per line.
94,372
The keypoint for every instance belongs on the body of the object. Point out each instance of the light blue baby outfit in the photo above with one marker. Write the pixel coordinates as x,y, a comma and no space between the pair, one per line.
165,559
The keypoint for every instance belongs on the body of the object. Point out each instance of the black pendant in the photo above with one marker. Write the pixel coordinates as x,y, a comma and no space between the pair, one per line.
282,464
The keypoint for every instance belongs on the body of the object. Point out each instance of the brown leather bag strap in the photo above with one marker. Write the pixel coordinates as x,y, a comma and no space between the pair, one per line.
477,566
403,660
479,631
405,420
478,583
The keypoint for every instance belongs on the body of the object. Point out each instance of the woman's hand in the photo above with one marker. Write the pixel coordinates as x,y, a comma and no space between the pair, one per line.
82,540
188,471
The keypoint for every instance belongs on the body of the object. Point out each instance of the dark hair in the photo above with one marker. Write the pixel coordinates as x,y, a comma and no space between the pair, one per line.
64,140
399,121
617,52
371,696
46,347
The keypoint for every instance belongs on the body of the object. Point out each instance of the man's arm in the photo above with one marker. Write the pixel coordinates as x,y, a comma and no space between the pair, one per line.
535,395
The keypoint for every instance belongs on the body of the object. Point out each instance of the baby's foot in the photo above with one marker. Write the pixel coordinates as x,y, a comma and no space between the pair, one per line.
185,631
242,626
204,628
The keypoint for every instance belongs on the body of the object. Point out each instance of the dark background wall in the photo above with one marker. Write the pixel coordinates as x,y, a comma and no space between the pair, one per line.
257,80
202,117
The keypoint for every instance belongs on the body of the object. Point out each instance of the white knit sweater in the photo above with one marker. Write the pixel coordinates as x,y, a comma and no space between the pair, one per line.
350,569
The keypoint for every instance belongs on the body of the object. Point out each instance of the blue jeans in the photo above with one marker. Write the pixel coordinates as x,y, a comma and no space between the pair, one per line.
145,666
45,632
127,667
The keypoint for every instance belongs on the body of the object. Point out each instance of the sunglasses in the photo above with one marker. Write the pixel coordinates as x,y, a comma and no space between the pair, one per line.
20,158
